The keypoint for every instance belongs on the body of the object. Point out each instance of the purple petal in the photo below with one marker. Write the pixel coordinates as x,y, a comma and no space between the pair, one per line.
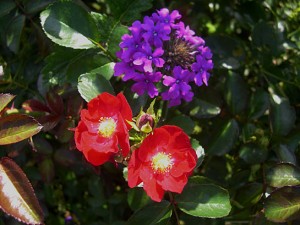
159,62
119,68
198,79
168,80
139,88
185,88
158,52
152,90
148,65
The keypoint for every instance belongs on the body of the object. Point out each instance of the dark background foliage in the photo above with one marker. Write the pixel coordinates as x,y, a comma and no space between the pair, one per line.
247,119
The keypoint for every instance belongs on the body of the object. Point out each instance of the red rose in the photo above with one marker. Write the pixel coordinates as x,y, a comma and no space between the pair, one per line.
103,128
163,162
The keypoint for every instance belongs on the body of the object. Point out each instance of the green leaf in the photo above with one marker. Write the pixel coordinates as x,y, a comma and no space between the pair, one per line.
5,99
128,11
236,93
184,122
13,33
110,31
6,7
36,6
66,64
282,115
265,36
249,194
106,70
69,25
225,139
203,109
283,204
115,38
137,198
199,151
283,175
17,196
259,103
17,127
155,213
202,198
285,154
253,154
228,51
92,84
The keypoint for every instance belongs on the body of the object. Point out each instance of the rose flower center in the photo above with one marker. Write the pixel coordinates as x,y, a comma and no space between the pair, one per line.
162,162
107,126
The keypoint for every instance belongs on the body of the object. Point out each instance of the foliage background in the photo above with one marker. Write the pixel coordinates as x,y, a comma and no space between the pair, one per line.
247,119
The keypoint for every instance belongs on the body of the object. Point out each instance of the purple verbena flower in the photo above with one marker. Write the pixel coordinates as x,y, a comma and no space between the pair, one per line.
162,49
179,87
147,57
145,83
163,16
130,44
155,33
201,68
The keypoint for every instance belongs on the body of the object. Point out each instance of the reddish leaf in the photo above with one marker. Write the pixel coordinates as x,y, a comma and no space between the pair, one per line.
17,196
5,99
55,103
17,127
49,121
46,168
74,105
64,134
34,105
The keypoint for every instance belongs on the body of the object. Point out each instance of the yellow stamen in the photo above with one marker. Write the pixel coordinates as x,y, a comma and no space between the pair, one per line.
107,126
162,162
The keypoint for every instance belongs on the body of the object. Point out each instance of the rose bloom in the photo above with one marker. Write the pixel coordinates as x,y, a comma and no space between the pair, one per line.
163,162
102,131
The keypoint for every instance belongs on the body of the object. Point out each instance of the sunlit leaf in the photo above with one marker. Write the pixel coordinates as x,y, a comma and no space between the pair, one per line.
92,84
60,25
17,196
202,198
199,151
106,70
5,99
283,175
17,127
283,204
155,213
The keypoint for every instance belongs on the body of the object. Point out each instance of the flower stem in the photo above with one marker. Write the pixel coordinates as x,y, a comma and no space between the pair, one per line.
105,51
164,112
174,207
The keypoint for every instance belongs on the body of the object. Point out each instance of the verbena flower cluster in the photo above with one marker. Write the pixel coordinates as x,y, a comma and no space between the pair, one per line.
162,50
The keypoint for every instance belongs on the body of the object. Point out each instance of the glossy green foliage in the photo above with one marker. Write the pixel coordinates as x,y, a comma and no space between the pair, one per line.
57,55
